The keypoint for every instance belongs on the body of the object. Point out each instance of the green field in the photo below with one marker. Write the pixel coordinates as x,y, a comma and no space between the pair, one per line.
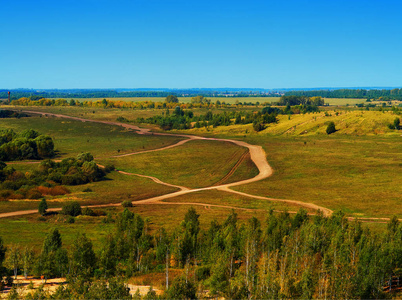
73,137
357,174
194,164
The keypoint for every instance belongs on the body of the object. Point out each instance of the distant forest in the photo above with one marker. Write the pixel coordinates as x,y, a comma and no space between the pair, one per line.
383,94
88,93
394,94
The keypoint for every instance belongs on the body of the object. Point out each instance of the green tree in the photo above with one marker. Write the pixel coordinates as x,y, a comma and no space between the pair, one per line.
83,259
331,128
171,99
14,258
53,259
28,256
3,250
182,289
397,123
72,209
42,206
45,146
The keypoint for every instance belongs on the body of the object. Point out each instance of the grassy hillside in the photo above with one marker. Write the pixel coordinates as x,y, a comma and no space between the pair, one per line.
347,122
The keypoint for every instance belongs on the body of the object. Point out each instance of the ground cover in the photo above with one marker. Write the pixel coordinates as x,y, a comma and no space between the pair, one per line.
360,175
194,164
231,200
101,140
115,189
347,122
30,231
343,101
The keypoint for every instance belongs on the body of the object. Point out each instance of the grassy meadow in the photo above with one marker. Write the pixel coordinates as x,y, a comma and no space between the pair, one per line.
360,175
356,169
195,164
73,137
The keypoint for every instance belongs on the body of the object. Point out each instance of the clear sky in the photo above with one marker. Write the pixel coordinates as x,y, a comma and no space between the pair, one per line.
199,44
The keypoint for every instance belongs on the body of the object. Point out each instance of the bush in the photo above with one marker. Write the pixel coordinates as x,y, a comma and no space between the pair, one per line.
122,119
70,220
127,203
182,289
203,272
87,190
53,191
34,194
109,168
108,218
258,126
331,128
397,123
42,206
87,211
72,209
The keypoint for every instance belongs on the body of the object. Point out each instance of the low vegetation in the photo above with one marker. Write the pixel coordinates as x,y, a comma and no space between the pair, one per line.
49,178
28,144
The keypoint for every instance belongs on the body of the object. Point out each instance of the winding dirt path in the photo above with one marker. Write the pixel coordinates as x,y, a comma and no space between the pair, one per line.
257,155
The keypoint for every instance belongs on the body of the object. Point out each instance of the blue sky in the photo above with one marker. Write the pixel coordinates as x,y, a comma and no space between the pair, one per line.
199,44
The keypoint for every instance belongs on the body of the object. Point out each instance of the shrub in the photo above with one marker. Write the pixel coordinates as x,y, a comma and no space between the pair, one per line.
42,206
108,218
4,194
99,212
34,194
182,289
258,126
72,209
397,123
53,191
87,211
59,190
70,220
109,168
85,157
127,203
122,119
87,190
331,128
203,272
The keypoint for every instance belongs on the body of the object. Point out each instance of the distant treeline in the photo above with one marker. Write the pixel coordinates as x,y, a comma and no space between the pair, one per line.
183,119
394,94
35,95
196,102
